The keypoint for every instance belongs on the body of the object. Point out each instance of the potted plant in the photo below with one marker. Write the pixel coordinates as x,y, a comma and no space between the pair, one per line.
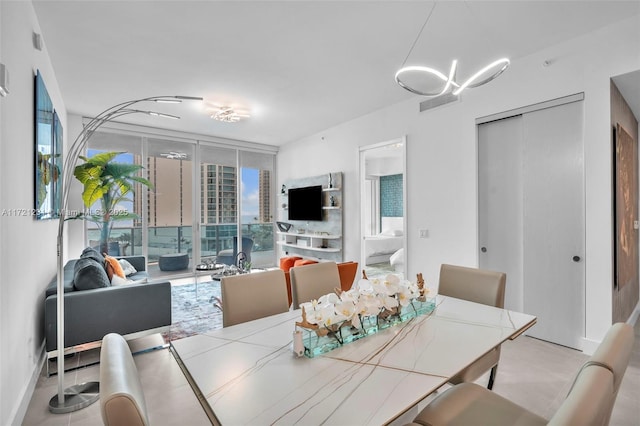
109,182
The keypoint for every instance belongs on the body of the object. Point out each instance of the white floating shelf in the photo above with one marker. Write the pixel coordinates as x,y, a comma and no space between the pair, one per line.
328,249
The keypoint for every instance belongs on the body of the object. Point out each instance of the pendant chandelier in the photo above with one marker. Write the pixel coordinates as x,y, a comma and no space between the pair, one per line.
449,83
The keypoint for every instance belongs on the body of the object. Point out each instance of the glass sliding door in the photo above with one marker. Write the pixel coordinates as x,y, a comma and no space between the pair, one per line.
170,168
218,207
256,220
125,237
208,201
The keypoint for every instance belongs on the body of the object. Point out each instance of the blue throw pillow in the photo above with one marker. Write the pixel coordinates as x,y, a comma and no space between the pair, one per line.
89,274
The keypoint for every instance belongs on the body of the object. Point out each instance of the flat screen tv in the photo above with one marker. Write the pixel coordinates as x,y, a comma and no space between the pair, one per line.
305,203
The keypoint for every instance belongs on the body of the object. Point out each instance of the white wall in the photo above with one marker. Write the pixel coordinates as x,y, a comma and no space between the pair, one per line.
442,163
28,248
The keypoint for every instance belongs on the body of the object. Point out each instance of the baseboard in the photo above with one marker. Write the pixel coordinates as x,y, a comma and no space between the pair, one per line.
20,411
589,346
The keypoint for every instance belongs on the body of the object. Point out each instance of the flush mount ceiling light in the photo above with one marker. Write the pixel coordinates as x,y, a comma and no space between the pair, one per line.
449,83
227,114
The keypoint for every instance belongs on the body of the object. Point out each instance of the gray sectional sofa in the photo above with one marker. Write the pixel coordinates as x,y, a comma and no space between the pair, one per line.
90,314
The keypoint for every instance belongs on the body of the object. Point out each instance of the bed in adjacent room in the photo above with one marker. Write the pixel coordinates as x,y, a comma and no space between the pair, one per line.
380,247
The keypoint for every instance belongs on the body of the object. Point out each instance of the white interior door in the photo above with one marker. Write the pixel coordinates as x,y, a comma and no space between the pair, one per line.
500,203
554,223
531,215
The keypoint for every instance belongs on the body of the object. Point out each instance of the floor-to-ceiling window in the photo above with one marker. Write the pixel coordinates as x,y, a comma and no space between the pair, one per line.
169,167
218,201
256,220
125,237
225,191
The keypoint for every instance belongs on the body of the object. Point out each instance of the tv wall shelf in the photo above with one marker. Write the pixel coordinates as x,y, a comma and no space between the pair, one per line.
312,242
317,239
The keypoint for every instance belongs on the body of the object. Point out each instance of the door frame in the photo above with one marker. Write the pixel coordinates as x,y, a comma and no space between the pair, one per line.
362,175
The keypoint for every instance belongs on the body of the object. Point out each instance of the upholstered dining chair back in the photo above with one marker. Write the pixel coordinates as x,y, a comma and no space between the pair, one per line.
347,272
309,282
590,399
588,406
614,353
472,284
251,296
480,286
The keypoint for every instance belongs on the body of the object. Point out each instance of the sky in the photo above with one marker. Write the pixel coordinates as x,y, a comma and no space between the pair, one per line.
250,181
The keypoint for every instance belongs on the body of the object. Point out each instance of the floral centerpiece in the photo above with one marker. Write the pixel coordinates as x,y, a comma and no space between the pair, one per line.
370,306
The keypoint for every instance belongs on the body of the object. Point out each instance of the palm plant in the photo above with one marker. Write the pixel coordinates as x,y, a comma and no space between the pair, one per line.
108,182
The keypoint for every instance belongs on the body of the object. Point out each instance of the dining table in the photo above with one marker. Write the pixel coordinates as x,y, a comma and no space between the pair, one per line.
248,374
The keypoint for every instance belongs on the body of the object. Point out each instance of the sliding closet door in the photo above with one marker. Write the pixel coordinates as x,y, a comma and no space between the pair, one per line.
531,215
500,203
554,223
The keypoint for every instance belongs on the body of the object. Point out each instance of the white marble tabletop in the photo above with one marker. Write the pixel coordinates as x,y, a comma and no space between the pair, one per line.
248,374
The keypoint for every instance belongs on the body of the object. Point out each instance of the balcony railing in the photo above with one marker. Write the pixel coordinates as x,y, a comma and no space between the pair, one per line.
178,239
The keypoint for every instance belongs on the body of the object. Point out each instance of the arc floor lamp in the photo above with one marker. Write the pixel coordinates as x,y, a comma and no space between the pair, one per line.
82,395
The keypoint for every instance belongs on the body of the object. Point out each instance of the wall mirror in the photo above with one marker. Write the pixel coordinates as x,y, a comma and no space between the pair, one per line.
383,208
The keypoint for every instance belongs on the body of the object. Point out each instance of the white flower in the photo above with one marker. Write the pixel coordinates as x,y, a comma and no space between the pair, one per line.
329,299
368,298
379,287
323,313
390,302
350,296
355,321
405,296
335,318
369,305
365,287
346,309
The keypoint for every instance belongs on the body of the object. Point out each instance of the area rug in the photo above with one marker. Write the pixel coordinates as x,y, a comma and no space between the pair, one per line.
193,310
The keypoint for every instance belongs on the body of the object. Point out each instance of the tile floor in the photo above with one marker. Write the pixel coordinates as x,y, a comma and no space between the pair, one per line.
532,373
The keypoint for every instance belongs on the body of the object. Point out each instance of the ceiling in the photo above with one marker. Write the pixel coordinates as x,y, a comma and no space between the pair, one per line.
298,67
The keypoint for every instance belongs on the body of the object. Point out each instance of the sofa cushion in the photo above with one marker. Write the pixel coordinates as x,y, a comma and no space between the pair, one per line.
112,267
92,254
116,281
89,274
52,288
127,267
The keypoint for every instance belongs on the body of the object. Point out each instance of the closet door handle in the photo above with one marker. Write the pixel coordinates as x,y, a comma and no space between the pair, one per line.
576,258
483,249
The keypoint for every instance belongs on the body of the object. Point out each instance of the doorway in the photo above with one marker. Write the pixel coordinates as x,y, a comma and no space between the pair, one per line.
383,208
531,213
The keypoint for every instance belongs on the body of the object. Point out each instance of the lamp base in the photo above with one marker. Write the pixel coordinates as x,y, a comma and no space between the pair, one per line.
76,398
